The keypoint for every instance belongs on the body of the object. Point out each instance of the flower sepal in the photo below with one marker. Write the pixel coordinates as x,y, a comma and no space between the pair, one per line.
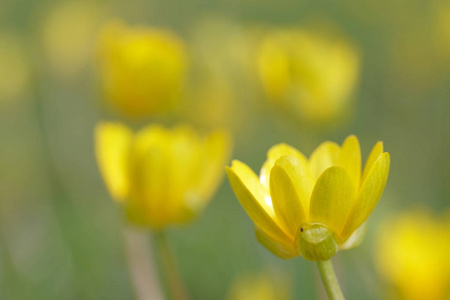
316,242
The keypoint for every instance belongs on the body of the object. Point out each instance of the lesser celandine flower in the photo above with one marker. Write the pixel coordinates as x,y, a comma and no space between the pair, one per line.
160,176
142,69
311,207
312,74
412,255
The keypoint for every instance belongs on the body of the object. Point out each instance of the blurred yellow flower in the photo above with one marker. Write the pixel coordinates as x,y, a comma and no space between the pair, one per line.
311,207
262,286
15,68
311,74
160,176
412,255
220,93
142,69
69,33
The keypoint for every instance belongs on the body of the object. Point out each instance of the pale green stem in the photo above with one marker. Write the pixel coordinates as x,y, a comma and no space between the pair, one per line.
174,282
141,265
329,280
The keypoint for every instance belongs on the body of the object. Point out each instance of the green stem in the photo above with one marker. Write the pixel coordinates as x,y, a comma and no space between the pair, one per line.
329,280
175,285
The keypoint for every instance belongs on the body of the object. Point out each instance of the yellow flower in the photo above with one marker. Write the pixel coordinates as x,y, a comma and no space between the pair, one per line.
308,73
413,254
160,176
142,69
311,207
262,286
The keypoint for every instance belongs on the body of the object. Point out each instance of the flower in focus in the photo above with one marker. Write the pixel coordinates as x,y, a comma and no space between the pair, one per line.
69,33
309,73
262,286
160,176
311,207
142,69
413,254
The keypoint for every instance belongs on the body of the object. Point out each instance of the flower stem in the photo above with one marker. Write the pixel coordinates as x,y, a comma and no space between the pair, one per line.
329,280
141,265
175,285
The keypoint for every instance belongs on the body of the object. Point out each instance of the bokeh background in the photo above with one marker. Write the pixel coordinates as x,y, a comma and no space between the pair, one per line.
61,235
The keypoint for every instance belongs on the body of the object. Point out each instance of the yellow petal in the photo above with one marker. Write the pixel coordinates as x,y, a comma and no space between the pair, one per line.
291,186
325,156
185,168
149,203
113,142
280,249
332,198
284,149
369,195
273,154
350,159
255,201
374,154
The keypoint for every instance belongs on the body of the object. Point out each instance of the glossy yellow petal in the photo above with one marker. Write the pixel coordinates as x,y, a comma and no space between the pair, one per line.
253,198
332,198
356,238
284,149
291,185
369,195
350,159
374,154
280,249
113,144
325,156
273,154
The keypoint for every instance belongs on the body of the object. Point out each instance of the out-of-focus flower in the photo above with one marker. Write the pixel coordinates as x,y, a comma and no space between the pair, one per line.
412,255
220,88
262,286
160,176
311,207
309,73
69,35
15,69
142,69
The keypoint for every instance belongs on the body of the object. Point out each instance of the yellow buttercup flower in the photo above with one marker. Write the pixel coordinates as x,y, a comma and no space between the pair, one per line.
311,74
142,69
413,254
311,207
160,176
